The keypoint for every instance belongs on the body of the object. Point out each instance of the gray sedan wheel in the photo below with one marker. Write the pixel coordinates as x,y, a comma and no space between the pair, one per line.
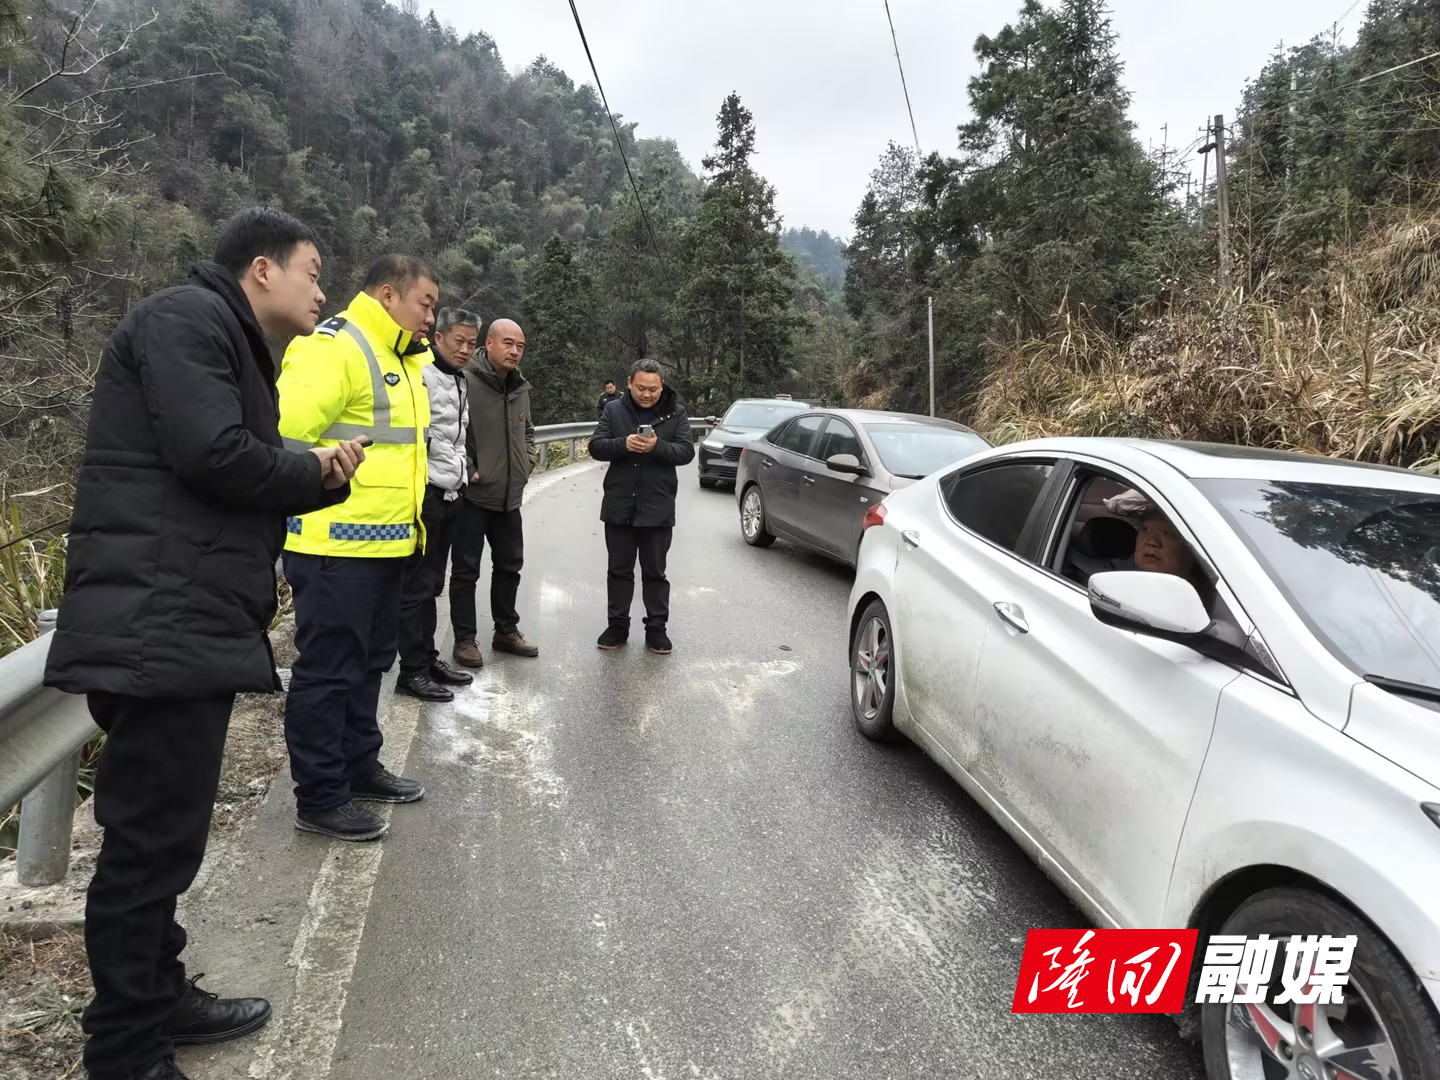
752,518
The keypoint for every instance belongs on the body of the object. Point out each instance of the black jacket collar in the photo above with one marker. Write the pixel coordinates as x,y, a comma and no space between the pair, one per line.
213,276
664,406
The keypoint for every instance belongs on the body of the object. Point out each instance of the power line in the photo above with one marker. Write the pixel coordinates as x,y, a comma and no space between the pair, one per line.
1346,13
894,41
929,301
615,128
1373,75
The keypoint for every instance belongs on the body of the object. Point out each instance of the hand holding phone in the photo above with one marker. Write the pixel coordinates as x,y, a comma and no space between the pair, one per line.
643,441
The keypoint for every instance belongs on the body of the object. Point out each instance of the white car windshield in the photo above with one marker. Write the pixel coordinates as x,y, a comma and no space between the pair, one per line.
1360,565
759,415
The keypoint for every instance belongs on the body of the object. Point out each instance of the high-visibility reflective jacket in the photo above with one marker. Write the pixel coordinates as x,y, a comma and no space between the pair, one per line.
360,374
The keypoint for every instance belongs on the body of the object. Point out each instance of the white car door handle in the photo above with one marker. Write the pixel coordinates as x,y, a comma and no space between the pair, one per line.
1013,614
911,538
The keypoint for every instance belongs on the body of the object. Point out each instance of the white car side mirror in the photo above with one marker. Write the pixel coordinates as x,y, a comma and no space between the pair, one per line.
1148,602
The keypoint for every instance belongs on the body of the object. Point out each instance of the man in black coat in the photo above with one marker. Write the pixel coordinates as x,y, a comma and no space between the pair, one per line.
610,394
179,518
639,503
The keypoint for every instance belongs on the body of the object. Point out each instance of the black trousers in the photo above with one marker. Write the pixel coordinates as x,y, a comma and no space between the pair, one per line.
347,629
624,543
154,793
505,533
425,581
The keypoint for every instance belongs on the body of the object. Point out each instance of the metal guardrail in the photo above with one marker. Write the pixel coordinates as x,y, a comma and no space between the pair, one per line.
42,731
573,433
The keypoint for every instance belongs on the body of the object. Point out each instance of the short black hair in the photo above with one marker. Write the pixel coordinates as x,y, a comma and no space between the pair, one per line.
650,367
399,272
259,231
609,382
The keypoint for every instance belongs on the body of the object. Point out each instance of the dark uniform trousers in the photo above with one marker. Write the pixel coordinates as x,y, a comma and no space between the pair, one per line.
425,581
505,533
652,545
155,790
347,629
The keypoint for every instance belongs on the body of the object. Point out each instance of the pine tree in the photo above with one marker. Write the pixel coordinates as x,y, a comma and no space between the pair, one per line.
558,356
736,304
879,249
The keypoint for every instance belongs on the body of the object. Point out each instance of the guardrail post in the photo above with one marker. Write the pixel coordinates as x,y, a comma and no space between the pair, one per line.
573,458
47,813
47,821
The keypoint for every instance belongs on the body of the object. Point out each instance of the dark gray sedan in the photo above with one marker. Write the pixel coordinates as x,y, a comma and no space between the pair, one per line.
744,422
811,479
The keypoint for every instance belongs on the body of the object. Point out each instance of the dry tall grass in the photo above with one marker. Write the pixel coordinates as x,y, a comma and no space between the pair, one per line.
1350,367
32,575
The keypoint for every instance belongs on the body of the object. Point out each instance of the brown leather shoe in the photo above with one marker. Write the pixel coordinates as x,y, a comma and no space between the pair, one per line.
514,642
467,654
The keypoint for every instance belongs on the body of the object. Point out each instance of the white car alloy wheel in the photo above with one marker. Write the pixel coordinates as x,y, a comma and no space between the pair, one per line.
872,689
1383,1029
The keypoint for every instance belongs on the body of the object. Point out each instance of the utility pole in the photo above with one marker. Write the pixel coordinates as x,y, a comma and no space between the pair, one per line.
1222,199
1290,137
930,305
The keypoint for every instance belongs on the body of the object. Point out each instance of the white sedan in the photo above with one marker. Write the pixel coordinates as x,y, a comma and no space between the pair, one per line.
1200,685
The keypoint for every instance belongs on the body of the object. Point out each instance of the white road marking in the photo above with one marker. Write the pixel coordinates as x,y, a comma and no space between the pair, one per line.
301,1045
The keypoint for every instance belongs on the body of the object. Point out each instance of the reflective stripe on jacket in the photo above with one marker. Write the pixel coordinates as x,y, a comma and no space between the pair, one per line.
360,374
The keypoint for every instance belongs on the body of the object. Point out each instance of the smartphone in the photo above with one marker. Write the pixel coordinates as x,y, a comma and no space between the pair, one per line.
365,440
646,431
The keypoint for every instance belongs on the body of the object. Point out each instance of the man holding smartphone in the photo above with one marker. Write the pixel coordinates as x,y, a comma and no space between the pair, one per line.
645,435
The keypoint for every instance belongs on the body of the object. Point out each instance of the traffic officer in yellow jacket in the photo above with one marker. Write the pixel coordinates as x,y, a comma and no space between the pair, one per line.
358,376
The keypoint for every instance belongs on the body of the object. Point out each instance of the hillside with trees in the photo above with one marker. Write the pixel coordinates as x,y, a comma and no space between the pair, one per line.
1075,277
1078,290
817,251
129,137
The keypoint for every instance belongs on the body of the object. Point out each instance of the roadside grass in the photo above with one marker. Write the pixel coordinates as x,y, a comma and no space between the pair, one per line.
1349,367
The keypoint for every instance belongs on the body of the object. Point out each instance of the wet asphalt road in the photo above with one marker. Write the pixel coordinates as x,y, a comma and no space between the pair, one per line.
693,866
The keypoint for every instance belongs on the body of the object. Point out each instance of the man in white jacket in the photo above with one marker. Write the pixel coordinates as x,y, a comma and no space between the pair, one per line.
422,673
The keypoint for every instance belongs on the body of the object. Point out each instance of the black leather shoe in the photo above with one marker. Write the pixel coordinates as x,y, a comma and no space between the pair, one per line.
163,1070
446,675
202,1017
385,786
345,822
612,638
419,684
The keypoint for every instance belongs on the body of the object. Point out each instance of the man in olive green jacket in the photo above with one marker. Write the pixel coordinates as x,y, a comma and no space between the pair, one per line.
501,453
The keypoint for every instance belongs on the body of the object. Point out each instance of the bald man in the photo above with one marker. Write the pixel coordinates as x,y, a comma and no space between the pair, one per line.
500,453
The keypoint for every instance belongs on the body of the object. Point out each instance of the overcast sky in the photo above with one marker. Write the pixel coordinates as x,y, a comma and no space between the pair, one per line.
820,75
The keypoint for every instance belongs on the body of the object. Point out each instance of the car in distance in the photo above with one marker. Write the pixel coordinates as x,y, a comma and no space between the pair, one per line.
746,419
1199,685
812,479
